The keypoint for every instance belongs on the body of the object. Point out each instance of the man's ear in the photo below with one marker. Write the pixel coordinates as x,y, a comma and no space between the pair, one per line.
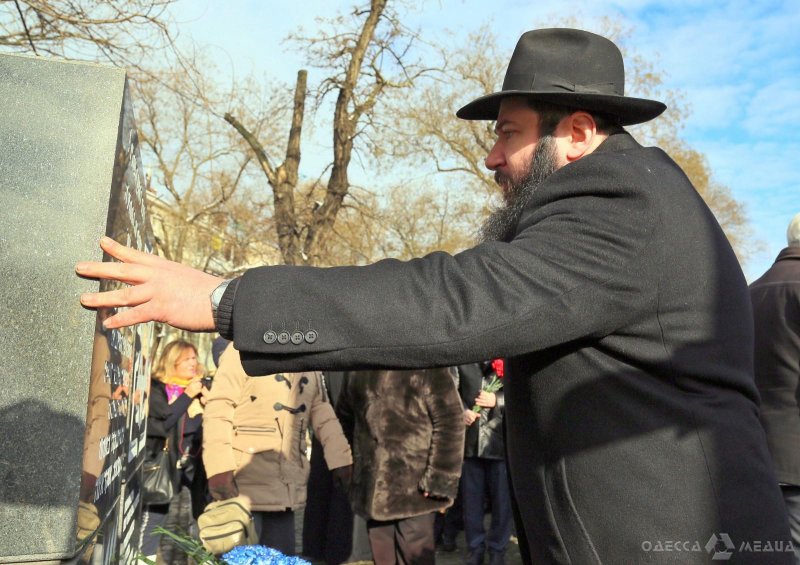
579,134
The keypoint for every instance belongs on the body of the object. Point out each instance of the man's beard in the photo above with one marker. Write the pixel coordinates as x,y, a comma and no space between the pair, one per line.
501,225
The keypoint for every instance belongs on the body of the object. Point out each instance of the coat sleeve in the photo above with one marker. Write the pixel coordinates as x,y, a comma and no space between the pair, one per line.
446,452
157,411
328,430
219,411
579,267
177,409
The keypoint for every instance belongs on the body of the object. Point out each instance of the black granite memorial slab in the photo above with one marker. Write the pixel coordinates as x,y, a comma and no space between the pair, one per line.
72,395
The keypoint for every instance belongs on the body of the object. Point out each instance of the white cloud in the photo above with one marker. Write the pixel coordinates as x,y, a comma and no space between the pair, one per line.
713,107
774,110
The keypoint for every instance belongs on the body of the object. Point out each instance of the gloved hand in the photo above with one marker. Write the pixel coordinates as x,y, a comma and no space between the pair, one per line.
222,486
342,477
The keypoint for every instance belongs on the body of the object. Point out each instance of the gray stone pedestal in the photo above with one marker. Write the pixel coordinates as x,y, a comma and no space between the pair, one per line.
71,394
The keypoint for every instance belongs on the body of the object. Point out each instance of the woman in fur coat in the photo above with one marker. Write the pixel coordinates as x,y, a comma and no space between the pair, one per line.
407,433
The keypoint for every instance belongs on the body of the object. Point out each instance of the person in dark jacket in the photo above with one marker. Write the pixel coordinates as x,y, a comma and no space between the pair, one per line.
331,532
407,436
776,312
604,281
175,386
483,475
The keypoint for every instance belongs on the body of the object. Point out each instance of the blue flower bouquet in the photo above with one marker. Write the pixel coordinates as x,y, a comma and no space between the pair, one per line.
260,555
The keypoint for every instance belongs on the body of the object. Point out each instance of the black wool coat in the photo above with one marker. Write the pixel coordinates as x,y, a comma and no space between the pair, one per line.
776,312
406,430
631,411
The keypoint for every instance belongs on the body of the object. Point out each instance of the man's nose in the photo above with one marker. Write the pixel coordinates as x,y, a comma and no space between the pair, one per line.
495,158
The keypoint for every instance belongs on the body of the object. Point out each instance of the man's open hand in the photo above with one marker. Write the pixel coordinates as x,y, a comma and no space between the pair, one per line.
160,290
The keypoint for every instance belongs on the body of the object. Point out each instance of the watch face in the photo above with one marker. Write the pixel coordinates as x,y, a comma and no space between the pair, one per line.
217,293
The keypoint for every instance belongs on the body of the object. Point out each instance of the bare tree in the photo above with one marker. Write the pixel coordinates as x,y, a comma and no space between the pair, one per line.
426,127
411,220
118,31
366,54
201,193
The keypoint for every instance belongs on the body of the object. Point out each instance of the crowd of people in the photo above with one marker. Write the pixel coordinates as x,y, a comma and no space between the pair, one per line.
632,413
393,442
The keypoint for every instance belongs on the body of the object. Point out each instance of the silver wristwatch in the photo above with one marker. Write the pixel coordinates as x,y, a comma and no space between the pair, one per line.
216,295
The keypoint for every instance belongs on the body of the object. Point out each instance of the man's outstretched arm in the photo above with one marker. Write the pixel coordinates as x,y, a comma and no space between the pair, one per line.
160,290
552,284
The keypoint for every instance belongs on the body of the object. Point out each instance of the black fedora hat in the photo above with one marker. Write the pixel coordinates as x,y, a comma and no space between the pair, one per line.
569,67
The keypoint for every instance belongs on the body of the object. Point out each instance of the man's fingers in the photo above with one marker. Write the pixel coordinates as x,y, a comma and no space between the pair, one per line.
129,296
126,254
122,272
138,315
133,267
161,291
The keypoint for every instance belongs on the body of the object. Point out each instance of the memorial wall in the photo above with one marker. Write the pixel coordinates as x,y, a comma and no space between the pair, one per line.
72,395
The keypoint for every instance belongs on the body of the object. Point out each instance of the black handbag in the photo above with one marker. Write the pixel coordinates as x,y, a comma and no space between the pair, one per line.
157,479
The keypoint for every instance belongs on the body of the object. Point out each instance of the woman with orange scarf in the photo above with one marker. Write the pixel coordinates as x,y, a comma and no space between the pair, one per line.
174,418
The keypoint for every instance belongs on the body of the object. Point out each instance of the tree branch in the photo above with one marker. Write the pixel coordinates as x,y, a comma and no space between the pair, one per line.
25,26
255,145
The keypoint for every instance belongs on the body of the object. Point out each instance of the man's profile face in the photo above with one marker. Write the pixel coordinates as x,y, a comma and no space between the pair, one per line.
517,130
522,160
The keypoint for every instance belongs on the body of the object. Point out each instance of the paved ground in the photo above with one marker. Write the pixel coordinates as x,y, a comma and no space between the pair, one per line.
459,556
179,520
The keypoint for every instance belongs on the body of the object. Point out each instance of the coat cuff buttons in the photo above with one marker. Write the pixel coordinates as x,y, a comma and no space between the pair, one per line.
285,337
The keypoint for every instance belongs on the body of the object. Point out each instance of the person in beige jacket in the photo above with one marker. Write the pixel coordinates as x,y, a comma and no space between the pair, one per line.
254,443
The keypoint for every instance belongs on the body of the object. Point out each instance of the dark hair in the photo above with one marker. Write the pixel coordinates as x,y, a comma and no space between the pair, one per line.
551,114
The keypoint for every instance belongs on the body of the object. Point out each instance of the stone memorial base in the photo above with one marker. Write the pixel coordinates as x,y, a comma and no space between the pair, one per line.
72,395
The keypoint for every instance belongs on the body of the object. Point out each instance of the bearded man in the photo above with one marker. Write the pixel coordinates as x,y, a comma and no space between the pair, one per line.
632,416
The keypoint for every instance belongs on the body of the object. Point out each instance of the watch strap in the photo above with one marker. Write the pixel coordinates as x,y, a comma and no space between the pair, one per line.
223,316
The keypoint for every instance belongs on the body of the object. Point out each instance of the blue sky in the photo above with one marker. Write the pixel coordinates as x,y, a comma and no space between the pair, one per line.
737,64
